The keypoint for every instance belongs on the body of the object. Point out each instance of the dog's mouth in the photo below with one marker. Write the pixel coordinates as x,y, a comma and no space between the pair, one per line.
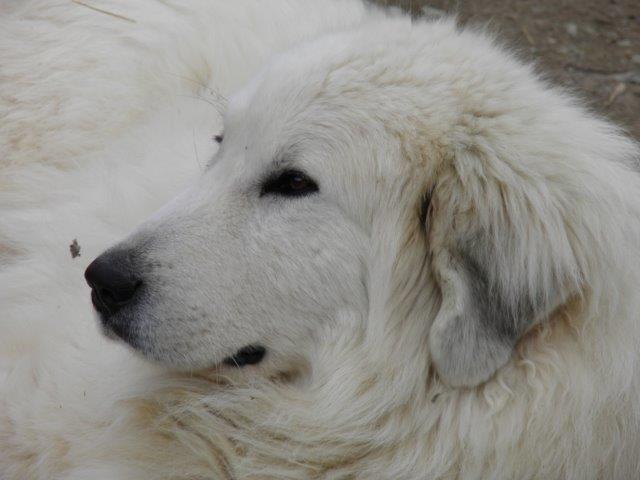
249,355
111,328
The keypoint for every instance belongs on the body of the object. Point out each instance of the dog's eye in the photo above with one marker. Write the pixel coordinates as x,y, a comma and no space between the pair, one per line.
290,183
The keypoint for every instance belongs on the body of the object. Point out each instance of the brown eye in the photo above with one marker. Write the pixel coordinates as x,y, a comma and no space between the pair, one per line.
290,183
298,183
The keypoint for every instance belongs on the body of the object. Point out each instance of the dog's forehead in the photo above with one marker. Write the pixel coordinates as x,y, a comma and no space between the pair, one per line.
263,131
424,89
293,108
345,85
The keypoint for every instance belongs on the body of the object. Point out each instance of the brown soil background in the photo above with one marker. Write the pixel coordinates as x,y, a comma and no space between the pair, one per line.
592,47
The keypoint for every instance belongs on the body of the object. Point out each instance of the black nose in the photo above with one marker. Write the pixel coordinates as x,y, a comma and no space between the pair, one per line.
112,281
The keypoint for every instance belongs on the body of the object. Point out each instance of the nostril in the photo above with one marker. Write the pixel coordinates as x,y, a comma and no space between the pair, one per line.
119,293
118,296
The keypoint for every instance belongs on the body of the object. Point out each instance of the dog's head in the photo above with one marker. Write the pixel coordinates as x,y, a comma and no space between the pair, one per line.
398,170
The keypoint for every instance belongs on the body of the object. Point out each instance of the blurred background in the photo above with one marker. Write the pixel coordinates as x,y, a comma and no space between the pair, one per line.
590,46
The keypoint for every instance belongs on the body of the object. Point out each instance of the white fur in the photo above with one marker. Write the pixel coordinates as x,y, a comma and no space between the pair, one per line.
359,384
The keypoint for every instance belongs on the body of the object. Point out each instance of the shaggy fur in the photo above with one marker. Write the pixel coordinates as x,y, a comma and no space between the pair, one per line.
450,174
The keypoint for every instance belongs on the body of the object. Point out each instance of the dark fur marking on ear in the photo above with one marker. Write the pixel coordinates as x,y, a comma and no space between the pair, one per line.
505,319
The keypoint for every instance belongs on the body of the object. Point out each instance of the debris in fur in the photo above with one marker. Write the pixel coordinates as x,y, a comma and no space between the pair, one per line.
74,248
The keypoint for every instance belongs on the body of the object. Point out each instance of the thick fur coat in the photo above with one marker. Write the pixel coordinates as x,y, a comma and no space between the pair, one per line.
458,297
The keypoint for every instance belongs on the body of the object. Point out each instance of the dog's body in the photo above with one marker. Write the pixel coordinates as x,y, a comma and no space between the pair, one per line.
437,252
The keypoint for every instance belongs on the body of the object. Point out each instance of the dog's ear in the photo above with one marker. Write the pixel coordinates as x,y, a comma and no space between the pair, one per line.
478,323
497,272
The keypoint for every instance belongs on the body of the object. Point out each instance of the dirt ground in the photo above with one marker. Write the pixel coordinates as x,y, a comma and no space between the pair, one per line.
590,46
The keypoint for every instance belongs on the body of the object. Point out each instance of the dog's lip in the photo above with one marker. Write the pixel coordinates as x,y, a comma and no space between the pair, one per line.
248,355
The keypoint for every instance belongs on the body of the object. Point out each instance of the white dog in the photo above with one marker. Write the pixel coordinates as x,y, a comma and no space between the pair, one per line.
408,259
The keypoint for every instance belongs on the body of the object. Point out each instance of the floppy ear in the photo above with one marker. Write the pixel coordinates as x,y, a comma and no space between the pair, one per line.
478,325
497,276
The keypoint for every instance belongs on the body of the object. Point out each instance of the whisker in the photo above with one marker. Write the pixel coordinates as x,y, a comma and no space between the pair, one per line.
106,12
